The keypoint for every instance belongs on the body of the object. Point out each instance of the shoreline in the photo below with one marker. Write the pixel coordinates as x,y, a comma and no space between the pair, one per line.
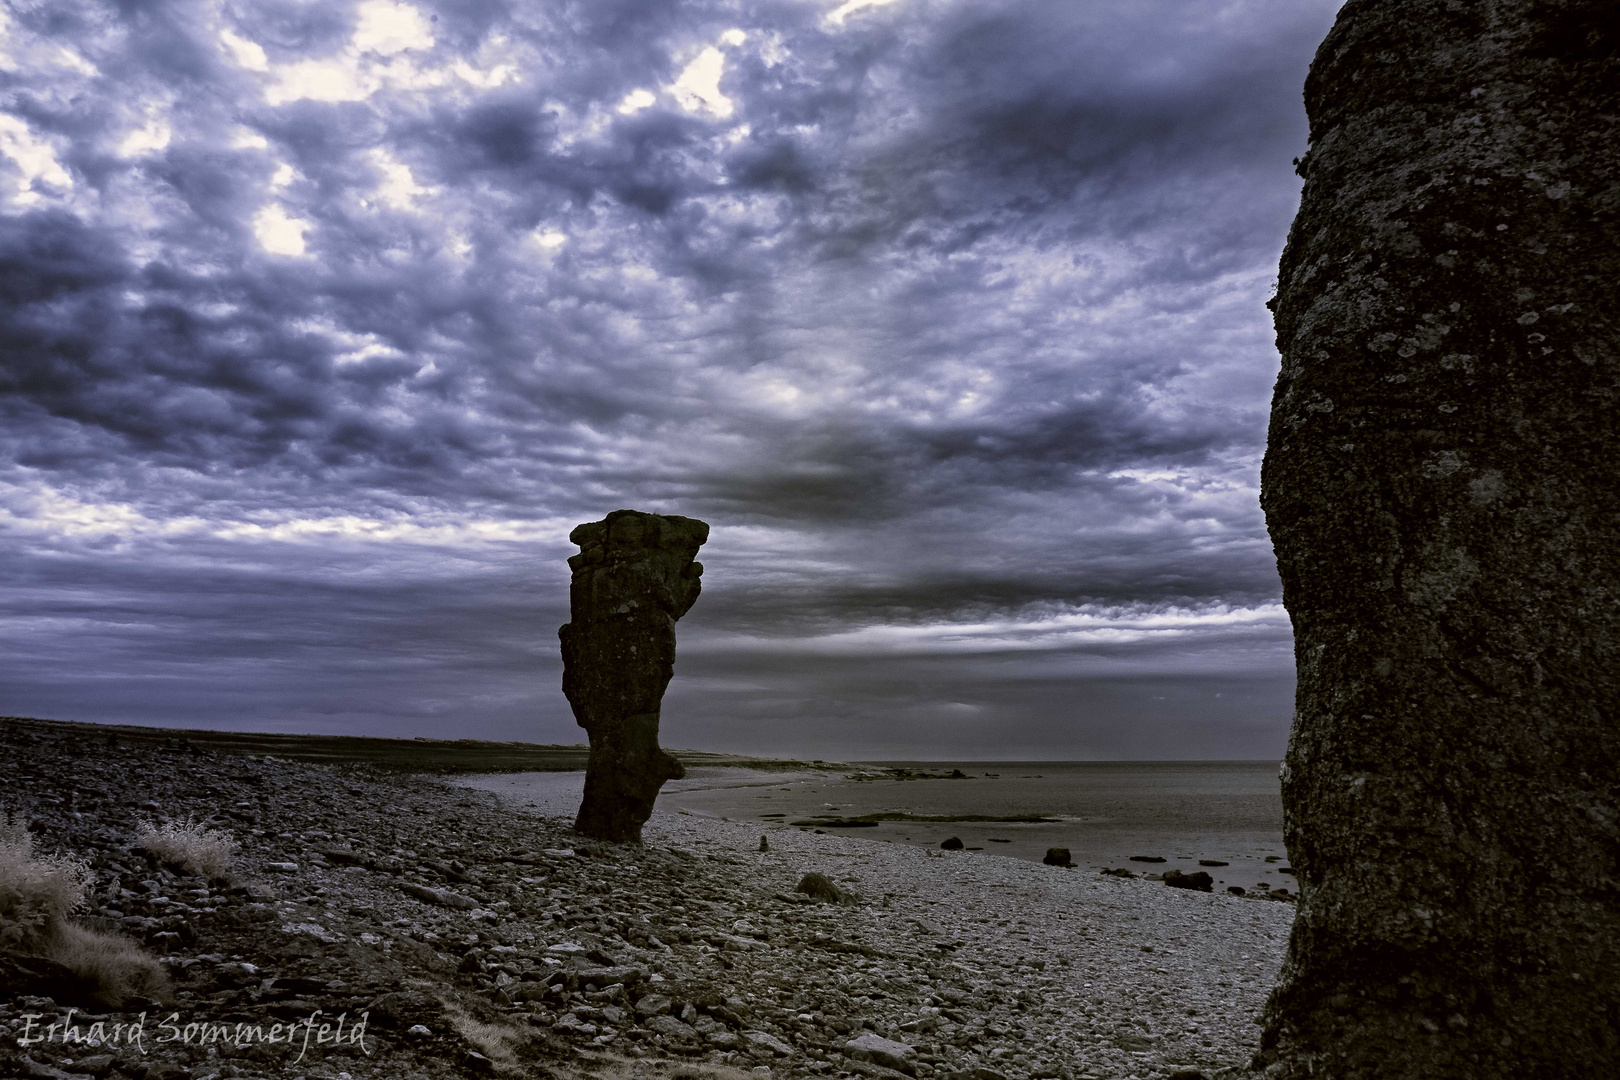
427,903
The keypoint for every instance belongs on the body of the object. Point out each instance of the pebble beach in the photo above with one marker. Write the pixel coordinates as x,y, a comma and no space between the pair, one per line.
477,935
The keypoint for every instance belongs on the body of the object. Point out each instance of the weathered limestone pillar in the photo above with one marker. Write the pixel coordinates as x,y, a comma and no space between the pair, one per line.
1442,485
633,577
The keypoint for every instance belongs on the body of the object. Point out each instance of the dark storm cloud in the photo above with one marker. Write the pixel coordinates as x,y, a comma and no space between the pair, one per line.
322,323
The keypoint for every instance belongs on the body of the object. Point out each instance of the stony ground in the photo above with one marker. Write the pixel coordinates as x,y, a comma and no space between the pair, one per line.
476,938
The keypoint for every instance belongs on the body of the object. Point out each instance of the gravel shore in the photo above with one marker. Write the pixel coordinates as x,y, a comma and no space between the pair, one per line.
476,935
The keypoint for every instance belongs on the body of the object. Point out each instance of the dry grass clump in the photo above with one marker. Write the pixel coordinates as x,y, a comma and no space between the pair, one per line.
115,966
37,893
38,896
194,848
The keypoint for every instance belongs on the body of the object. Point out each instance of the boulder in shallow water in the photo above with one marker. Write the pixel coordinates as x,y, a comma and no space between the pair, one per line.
1198,880
953,843
1058,856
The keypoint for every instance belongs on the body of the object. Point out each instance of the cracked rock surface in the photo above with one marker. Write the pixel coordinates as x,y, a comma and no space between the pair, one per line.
1442,488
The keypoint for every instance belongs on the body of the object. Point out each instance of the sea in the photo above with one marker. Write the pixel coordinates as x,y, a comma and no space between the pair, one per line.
1222,817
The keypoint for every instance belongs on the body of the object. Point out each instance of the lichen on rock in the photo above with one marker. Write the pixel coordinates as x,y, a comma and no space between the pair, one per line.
1442,485
632,579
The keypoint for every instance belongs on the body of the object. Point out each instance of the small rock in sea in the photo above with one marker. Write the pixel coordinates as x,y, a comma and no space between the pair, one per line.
1237,890
820,887
953,843
1119,871
1058,856
1212,862
764,844
1198,880
1285,869
1147,858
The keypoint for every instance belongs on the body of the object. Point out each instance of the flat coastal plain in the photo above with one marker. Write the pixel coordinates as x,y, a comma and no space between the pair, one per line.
479,936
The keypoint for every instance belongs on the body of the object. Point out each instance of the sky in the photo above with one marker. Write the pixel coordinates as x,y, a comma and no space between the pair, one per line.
322,323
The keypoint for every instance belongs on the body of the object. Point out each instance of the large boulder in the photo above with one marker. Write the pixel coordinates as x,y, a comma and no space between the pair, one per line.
633,577
1442,484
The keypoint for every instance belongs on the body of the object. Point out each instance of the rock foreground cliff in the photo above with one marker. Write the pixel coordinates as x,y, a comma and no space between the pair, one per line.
478,939
633,578
1442,485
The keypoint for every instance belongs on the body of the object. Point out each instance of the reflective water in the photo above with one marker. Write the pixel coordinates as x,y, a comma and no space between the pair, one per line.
1181,811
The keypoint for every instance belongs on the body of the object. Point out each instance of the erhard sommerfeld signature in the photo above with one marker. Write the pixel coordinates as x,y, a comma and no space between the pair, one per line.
303,1033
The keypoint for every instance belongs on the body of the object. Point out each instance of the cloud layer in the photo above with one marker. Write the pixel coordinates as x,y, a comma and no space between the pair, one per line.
321,324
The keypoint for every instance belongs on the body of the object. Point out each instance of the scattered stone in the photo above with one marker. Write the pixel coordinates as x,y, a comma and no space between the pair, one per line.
560,949
1058,856
668,1025
764,1040
441,897
953,843
1147,858
1212,862
881,1051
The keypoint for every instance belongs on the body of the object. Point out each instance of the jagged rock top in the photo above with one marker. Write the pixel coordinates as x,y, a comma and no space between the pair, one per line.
631,561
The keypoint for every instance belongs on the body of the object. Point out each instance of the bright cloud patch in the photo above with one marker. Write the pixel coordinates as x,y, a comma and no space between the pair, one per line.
850,7
248,54
635,101
34,160
698,88
279,232
387,28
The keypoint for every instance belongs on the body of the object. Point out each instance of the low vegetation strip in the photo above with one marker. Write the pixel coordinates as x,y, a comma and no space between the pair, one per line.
437,757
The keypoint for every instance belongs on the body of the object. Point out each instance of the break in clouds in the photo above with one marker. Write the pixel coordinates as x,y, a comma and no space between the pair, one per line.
323,323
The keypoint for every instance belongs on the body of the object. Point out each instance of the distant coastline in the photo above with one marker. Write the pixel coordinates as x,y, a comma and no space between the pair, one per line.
456,756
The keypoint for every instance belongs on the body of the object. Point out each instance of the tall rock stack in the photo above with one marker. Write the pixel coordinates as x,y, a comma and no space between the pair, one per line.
1443,488
633,577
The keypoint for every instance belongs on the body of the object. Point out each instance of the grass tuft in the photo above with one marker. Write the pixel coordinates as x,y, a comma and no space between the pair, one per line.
38,896
37,893
194,848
